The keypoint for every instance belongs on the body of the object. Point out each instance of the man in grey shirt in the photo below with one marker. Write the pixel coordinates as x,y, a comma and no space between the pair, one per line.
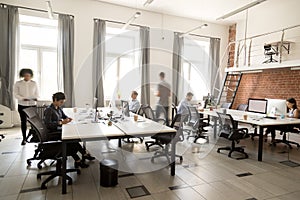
164,93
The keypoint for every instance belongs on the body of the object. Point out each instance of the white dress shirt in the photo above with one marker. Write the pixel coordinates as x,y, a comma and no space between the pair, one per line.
183,106
26,90
134,105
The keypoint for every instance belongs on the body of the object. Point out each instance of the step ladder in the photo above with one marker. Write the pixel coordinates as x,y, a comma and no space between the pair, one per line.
231,84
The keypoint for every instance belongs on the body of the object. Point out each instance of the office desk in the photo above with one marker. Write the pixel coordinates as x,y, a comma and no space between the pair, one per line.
82,129
253,119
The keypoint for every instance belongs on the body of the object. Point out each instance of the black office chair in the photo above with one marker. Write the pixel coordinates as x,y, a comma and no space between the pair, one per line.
166,139
195,124
1,135
270,52
284,139
174,111
149,114
230,131
50,150
34,138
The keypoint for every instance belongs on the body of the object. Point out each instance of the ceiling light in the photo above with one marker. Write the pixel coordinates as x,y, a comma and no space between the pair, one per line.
254,3
131,19
198,27
148,2
49,9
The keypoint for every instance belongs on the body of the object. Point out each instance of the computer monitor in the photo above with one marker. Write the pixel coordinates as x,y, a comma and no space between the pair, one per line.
125,108
257,105
276,107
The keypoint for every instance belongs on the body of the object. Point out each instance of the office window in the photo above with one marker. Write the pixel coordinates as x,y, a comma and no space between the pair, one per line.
38,51
121,74
195,69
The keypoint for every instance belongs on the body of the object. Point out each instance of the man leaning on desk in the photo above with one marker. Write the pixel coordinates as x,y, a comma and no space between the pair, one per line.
134,104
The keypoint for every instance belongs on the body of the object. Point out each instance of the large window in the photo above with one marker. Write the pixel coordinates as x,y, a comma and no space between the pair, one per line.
195,69
38,51
122,63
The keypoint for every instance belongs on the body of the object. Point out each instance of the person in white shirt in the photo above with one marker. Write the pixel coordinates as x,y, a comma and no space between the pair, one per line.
26,92
134,104
183,105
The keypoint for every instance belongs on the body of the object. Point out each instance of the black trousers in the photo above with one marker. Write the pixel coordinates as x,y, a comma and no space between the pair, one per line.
23,118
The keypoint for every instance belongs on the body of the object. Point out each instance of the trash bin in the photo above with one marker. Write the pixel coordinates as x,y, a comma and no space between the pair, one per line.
108,172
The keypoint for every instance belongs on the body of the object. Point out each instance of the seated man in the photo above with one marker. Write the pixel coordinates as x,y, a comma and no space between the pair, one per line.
134,104
183,105
54,118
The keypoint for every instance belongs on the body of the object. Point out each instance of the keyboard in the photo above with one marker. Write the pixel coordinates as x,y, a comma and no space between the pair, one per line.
269,117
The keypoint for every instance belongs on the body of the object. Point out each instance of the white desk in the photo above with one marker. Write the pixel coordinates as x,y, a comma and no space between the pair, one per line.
254,119
83,129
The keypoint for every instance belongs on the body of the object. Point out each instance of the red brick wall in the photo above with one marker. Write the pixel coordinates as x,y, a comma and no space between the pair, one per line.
271,83
231,50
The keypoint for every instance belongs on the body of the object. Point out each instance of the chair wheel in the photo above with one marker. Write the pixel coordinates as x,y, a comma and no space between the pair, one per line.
218,151
78,172
181,158
38,176
28,162
39,166
43,187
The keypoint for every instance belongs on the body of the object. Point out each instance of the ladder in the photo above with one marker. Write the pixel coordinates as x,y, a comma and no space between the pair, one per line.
231,83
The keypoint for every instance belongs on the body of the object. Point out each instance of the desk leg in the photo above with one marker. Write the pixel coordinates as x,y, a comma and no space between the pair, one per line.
215,119
173,152
260,143
64,168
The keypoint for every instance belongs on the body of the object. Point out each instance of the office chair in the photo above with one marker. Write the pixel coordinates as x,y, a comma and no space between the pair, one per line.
226,105
195,124
50,150
32,113
242,107
270,52
149,114
174,110
284,139
1,135
230,131
166,139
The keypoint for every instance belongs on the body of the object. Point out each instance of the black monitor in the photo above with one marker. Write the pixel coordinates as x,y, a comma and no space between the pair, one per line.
257,105
125,108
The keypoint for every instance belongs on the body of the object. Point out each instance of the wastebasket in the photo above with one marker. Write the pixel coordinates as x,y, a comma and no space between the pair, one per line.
108,172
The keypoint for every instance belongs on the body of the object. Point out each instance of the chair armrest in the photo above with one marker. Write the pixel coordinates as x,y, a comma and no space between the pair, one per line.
54,136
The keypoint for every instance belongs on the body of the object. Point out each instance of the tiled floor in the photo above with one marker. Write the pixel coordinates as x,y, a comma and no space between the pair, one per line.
204,174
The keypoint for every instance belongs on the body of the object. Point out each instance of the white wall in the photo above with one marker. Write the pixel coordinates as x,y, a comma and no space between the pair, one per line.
85,11
270,16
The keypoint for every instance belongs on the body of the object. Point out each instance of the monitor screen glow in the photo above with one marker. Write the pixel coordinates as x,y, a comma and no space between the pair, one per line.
257,105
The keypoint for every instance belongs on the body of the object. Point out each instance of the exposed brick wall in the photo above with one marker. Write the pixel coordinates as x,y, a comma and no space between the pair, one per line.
271,83
231,50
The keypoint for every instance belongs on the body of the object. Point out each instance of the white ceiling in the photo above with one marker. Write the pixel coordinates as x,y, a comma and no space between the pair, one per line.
206,10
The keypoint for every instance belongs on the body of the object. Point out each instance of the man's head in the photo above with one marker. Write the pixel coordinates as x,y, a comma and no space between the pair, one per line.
25,73
189,96
134,94
58,99
162,75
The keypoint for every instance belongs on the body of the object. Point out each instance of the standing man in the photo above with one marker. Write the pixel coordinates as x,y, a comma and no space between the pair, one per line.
163,93
26,92
134,104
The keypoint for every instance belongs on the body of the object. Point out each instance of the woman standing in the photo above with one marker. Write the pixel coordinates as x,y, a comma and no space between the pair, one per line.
26,92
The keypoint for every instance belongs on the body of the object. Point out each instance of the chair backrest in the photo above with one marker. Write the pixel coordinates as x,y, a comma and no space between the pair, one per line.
40,110
242,107
31,112
125,108
148,112
193,115
226,105
40,128
226,123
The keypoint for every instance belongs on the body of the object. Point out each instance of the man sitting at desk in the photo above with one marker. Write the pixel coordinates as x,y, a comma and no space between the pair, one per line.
134,104
183,105
54,118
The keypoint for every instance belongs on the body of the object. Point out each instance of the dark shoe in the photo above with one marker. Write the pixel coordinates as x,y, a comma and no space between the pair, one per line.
80,164
88,157
23,142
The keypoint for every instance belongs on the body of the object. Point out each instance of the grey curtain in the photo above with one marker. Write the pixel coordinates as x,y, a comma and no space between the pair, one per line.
66,55
214,61
9,17
145,68
177,66
99,60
